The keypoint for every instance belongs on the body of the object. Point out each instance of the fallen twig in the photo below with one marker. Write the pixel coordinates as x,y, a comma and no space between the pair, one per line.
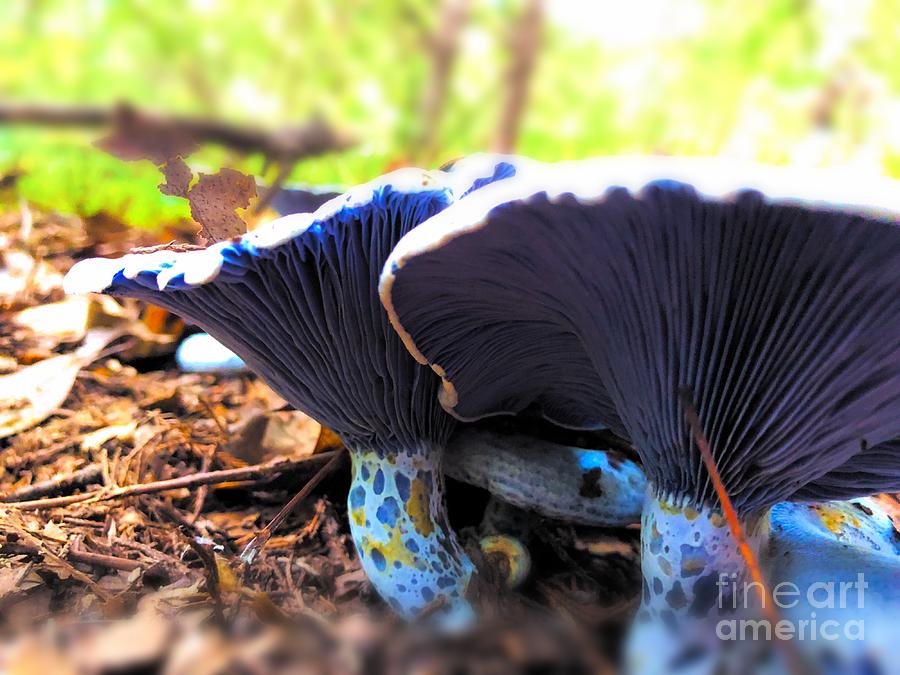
76,554
203,478
84,476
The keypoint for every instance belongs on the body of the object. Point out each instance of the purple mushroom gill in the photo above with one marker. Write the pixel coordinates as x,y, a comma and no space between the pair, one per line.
778,310
504,343
871,471
771,295
297,300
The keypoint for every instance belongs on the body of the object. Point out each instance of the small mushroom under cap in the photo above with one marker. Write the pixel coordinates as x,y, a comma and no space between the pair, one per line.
602,488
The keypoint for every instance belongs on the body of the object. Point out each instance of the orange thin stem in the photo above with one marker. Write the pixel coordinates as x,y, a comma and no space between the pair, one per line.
731,516
734,524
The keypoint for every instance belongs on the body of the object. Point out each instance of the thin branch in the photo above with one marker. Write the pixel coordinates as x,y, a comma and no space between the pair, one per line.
77,554
203,478
84,476
310,139
252,549
792,656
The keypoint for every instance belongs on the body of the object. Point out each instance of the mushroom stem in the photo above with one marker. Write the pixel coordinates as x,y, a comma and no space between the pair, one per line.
832,569
399,524
694,577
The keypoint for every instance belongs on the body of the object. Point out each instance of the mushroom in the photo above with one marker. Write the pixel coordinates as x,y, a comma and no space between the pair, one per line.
202,353
844,559
771,295
297,300
602,488
511,556
871,471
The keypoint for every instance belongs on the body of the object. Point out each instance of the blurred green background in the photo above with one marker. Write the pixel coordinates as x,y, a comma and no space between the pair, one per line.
789,81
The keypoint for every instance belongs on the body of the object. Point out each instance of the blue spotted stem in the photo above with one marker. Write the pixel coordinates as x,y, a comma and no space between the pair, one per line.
693,576
399,525
794,662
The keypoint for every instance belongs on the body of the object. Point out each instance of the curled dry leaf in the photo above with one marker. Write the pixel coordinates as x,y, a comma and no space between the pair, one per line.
258,392
213,202
265,435
291,433
178,177
30,395
17,577
125,645
32,655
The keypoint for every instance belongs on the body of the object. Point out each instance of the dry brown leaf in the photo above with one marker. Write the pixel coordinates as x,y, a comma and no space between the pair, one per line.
328,440
204,651
291,433
228,580
259,391
125,644
20,272
16,577
234,524
52,530
30,395
214,199
178,177
95,439
245,439
67,321
33,656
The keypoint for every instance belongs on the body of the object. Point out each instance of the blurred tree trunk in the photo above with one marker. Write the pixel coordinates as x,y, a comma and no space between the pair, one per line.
524,43
443,44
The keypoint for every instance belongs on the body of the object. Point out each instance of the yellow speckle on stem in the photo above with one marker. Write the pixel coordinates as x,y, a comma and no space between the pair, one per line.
419,508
